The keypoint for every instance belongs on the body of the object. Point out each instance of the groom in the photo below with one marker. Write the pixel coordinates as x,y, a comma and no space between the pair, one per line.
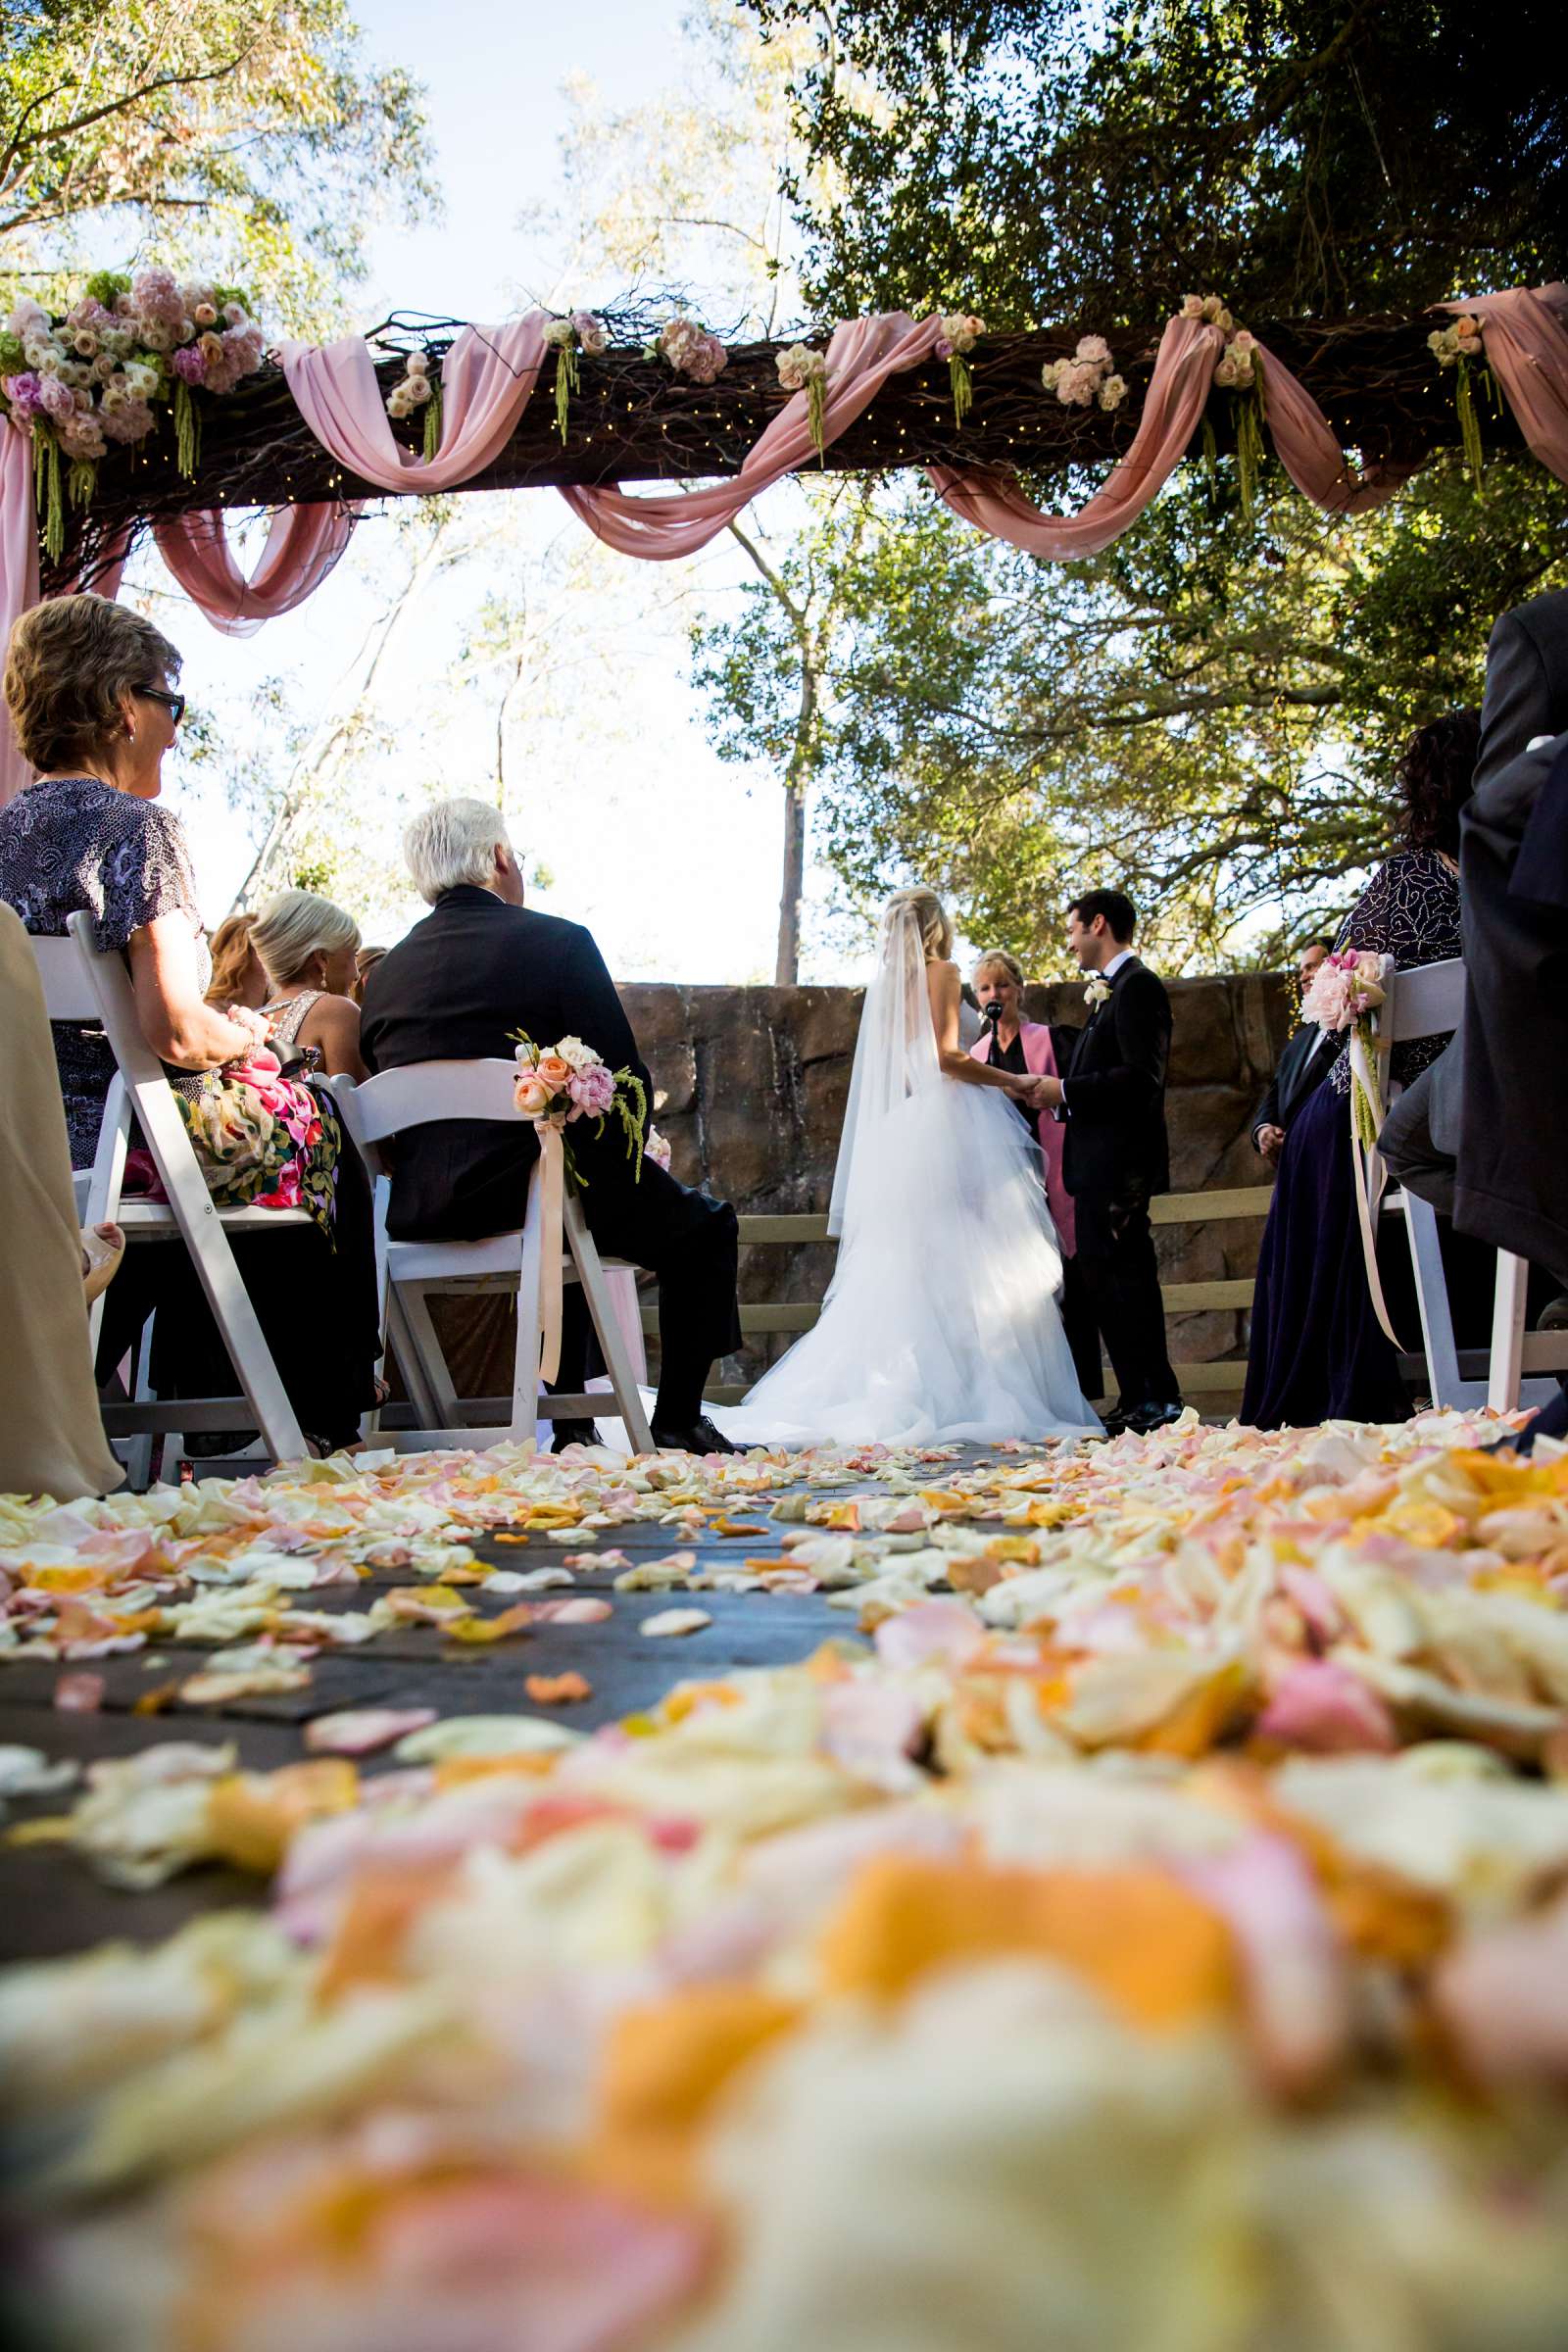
1111,1100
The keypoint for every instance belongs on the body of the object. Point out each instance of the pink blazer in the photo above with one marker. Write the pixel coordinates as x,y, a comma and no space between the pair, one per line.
1039,1057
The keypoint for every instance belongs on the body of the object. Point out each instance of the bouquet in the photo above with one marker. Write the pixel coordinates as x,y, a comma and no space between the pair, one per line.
98,373
1345,992
558,1085
688,348
417,389
803,370
1461,346
1238,369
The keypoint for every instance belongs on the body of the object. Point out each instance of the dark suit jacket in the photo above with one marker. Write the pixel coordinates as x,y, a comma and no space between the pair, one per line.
1115,1092
470,973
1526,681
1307,1060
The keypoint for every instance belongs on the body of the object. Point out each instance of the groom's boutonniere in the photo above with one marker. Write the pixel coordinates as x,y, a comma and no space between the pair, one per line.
1097,992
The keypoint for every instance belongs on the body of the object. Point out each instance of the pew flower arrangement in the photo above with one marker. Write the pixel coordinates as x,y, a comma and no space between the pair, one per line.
558,1085
1345,992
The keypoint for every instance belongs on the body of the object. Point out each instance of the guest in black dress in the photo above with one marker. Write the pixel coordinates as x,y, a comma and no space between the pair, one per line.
87,683
1317,1352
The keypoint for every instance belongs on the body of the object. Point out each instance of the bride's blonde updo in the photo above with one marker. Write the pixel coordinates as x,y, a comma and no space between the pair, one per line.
932,918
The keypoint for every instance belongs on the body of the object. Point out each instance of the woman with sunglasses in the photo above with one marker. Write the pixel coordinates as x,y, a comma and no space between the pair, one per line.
88,685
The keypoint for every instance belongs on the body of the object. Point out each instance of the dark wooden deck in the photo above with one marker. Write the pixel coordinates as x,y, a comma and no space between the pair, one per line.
51,1903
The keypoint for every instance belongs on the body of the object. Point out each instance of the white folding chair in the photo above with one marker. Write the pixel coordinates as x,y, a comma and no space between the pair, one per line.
1423,1002
386,1105
83,985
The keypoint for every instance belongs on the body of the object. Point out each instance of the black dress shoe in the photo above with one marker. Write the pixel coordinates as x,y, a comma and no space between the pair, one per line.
1145,1419
1115,1421
573,1432
701,1438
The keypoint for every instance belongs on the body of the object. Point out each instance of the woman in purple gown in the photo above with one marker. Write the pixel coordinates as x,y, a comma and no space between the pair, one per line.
1317,1350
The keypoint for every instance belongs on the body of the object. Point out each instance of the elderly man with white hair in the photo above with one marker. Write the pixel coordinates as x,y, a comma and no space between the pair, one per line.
478,968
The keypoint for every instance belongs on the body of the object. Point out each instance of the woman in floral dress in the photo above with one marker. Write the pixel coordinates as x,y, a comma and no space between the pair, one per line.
88,685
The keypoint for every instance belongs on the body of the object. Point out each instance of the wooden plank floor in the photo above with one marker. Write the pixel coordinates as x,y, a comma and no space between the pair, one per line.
51,1903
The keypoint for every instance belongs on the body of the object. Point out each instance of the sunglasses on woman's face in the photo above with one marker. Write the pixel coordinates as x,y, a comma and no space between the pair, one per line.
174,704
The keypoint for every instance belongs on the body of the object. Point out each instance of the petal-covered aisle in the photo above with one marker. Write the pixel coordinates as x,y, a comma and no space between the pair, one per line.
1109,1900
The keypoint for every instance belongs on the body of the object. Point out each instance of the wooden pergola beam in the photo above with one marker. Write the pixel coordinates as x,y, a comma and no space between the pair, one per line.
633,421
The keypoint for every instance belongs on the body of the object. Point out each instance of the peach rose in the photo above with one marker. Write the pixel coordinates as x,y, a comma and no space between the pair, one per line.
554,1071
533,1096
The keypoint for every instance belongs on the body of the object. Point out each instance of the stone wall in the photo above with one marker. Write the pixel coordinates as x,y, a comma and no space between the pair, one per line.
751,1085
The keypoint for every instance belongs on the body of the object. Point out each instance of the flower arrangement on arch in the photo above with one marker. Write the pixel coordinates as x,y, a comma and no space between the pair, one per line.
1343,993
803,370
1461,346
1238,369
101,371
1086,380
558,1085
415,389
960,332
577,330
689,349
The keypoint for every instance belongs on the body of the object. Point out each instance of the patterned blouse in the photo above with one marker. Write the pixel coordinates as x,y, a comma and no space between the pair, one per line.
1410,910
78,844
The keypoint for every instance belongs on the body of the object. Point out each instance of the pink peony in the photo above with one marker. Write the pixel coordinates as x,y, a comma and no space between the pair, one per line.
81,437
708,360
1093,351
943,348
190,365
656,1149
155,296
592,1090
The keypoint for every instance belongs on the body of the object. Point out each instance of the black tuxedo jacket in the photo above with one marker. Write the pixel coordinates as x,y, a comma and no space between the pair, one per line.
474,972
1116,1143
1308,1056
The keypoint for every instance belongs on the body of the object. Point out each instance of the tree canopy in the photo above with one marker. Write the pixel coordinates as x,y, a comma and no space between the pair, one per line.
1084,161
254,134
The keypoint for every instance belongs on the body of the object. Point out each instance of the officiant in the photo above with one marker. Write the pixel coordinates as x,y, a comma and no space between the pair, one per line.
1306,1062
1009,1042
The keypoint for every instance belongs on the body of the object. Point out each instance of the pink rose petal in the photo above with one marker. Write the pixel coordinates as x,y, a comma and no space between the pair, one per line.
79,1693
932,1629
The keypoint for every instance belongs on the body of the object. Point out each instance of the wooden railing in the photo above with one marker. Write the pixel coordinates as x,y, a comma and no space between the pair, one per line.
1198,1380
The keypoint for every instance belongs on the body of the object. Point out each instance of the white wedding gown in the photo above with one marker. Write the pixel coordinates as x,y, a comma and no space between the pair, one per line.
941,1322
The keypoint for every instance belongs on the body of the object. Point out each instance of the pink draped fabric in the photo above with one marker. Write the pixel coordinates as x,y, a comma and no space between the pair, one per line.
302,543
486,379
18,578
860,358
1527,351
1184,371
1308,449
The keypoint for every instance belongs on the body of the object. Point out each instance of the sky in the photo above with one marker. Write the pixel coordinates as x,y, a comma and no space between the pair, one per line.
671,855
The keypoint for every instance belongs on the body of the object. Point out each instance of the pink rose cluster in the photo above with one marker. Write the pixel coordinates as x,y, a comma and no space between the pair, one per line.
1343,988
93,375
1460,341
1086,380
690,350
565,1082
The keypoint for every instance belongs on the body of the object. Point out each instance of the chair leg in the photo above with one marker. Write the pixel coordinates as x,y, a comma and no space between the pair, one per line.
1508,1332
531,1331
1432,1293
612,1340
440,1398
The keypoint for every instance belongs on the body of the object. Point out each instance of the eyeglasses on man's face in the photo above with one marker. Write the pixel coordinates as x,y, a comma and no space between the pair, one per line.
174,704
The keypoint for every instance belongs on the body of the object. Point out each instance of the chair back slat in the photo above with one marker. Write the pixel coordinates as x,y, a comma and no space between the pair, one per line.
425,1090
1422,1003
68,990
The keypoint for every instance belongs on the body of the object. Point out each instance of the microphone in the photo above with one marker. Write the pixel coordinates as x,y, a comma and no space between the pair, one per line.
991,1013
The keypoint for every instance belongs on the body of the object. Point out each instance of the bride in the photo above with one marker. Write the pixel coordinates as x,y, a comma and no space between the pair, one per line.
941,1321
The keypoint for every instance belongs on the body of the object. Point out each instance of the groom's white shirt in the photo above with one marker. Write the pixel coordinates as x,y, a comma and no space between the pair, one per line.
1106,972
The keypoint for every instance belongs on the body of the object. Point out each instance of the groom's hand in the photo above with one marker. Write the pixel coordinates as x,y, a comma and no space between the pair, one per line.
1045,1094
